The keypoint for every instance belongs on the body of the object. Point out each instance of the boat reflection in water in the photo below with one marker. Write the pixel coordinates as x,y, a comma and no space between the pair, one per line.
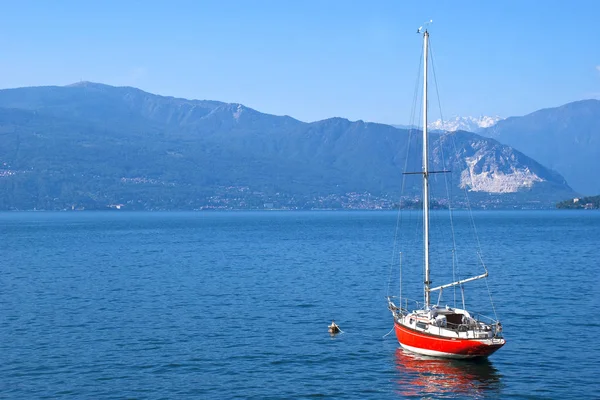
445,378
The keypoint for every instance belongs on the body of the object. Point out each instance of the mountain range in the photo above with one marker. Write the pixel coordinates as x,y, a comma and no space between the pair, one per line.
91,145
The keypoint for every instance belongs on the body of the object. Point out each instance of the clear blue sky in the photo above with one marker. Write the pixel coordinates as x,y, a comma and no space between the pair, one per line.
312,59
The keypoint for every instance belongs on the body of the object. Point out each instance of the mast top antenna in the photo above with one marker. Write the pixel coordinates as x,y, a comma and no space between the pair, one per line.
424,26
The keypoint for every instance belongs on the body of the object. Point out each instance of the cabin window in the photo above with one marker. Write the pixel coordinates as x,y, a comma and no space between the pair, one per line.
454,319
421,325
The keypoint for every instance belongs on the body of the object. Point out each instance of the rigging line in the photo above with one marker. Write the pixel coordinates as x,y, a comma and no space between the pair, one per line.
398,218
479,252
453,276
455,261
471,220
488,289
455,267
421,223
401,213
400,277
410,134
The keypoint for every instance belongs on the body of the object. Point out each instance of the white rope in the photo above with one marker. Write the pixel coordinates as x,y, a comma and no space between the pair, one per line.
388,332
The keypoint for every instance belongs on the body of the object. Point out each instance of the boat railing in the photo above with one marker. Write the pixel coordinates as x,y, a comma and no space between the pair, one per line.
402,308
477,323
485,323
404,304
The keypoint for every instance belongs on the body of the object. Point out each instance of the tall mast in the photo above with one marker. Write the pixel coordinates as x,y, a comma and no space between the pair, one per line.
425,172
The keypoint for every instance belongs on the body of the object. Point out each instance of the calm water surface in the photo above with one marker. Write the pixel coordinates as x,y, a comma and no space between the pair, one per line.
236,305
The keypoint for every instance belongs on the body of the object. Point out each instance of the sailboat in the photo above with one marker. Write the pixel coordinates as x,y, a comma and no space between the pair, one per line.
432,329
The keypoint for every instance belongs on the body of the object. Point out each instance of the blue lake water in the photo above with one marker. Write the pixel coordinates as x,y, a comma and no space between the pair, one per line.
236,305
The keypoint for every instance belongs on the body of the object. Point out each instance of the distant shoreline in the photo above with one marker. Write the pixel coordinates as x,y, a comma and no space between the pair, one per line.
288,210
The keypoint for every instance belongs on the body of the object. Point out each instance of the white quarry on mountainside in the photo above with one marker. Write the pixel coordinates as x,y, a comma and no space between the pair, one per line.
469,124
492,180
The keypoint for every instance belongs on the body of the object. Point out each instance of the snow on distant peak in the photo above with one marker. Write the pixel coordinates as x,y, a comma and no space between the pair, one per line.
470,124
238,111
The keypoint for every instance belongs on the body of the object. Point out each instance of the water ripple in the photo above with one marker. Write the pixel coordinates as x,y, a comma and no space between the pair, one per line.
236,305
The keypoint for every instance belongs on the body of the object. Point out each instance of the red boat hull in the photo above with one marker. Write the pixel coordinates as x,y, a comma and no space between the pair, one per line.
433,345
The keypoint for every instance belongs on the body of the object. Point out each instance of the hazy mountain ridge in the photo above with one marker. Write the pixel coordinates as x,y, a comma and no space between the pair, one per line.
565,138
91,145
